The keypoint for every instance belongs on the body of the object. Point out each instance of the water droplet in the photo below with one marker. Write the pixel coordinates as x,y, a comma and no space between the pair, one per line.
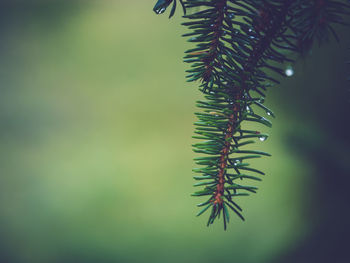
231,15
249,110
263,138
160,10
264,119
270,113
289,71
237,162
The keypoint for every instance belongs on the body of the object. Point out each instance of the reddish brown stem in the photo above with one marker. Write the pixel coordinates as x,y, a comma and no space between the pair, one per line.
258,50
213,51
220,187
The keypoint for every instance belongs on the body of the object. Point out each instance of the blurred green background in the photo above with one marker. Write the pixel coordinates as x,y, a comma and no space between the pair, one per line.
96,122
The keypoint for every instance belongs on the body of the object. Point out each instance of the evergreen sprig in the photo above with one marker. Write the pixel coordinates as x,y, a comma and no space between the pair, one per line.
238,45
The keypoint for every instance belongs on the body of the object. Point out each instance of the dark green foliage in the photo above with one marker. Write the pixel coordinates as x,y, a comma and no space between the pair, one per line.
238,45
162,5
314,20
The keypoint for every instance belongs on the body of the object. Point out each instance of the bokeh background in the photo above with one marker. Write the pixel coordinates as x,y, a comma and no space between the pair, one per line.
96,122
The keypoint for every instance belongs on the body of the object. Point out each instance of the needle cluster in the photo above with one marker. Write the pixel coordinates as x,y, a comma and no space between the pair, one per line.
239,46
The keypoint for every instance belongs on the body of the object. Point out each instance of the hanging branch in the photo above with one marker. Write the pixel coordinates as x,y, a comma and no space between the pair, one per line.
238,45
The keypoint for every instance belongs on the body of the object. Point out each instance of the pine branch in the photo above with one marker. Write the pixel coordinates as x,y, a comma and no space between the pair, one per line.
219,200
238,44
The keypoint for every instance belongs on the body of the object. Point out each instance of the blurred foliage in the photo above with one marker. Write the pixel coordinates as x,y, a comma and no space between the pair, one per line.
321,138
85,143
